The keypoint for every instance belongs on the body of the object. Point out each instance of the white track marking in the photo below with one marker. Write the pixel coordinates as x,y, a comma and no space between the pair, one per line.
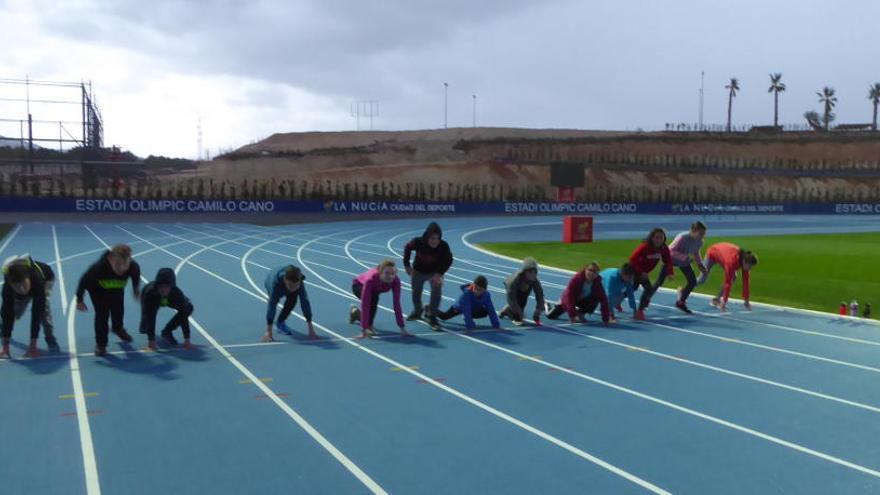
295,416
90,464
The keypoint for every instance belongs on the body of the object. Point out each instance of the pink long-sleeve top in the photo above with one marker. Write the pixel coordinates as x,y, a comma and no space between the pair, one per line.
373,286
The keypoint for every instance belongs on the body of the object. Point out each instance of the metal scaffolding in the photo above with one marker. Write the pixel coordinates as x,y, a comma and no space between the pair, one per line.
55,121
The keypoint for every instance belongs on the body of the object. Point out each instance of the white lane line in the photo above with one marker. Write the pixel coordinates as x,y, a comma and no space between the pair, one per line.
753,344
90,464
725,371
768,347
295,416
686,410
855,404
101,250
261,237
722,422
9,237
710,367
60,272
556,441
798,330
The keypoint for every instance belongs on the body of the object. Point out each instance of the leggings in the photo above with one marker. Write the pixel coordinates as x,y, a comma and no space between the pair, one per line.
418,283
691,278
583,306
110,306
649,288
357,289
180,319
452,312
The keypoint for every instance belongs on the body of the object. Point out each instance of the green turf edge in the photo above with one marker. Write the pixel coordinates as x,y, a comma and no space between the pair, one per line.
780,277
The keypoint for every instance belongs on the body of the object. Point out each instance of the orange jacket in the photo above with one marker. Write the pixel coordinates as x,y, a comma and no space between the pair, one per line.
729,256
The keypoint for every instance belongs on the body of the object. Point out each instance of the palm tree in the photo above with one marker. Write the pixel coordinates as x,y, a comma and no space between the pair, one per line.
827,97
776,87
874,96
812,117
733,87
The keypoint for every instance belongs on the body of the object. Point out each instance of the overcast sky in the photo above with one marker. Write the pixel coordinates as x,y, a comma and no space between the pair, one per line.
252,68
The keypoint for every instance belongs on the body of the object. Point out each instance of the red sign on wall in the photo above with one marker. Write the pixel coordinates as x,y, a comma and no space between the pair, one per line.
565,195
577,229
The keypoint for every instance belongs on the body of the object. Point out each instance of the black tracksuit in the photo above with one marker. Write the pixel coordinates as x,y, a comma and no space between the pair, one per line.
40,274
151,301
428,259
107,291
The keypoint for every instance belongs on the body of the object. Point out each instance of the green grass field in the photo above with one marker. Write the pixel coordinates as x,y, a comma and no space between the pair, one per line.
804,271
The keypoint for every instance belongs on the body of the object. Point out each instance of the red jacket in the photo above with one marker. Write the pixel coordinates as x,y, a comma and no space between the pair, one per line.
572,293
646,256
729,256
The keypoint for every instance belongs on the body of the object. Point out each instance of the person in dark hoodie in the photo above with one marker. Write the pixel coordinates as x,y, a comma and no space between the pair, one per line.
433,258
518,287
164,293
287,282
105,281
474,302
582,295
27,282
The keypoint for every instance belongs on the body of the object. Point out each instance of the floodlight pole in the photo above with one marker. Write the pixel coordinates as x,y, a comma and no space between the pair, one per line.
445,105
702,84
475,110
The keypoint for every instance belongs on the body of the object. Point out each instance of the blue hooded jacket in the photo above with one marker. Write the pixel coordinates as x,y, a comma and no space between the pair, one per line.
616,288
468,302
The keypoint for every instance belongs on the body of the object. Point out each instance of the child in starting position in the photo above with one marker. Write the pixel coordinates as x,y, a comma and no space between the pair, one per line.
732,258
164,293
581,296
474,302
367,287
518,287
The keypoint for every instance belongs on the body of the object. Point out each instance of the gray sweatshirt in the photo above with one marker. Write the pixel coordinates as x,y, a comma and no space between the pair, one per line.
517,283
684,247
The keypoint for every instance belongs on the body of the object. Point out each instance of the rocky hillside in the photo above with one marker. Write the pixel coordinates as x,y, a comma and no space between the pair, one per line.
643,166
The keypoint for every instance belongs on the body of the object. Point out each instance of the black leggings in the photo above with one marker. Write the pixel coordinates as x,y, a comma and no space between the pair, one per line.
357,289
108,307
522,298
691,278
452,312
649,288
585,305
289,305
180,319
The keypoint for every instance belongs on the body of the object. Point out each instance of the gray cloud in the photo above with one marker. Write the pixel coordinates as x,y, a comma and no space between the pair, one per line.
565,63
323,46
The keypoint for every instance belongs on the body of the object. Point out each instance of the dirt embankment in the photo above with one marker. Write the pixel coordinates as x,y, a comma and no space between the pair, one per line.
645,166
